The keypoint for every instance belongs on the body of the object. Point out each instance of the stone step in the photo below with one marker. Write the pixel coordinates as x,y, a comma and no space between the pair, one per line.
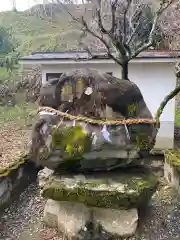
119,189
172,168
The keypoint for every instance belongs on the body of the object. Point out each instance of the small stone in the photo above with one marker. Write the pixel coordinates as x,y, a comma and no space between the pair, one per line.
172,169
68,217
43,176
122,223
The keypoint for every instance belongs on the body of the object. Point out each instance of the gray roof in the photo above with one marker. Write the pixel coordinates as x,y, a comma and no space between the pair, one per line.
56,56
83,55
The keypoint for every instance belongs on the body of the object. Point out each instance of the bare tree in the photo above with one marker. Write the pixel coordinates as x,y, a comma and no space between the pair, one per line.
124,28
13,3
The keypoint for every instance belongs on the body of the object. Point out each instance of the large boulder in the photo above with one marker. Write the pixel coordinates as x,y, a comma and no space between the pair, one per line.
96,95
47,96
76,148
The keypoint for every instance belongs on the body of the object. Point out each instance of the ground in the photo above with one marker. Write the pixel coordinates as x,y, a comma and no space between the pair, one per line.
23,220
15,132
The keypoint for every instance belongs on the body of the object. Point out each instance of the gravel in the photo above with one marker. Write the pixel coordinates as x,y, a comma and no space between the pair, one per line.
23,220
162,219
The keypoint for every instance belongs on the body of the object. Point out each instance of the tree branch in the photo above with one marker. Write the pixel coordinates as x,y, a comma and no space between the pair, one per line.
100,24
151,34
125,18
134,29
165,102
133,34
102,40
113,12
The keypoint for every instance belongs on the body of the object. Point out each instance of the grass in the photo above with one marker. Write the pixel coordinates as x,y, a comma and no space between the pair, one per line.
34,33
22,112
7,76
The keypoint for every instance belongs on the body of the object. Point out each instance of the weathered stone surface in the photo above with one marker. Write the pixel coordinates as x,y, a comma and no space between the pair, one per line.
121,223
171,175
5,190
43,176
16,179
124,97
68,217
112,154
74,147
108,159
172,168
173,159
72,219
116,189
110,98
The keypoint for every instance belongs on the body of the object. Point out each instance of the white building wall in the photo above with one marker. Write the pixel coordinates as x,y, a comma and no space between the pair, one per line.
57,68
155,81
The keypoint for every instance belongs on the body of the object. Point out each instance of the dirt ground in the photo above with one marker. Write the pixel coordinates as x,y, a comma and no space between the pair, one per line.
23,219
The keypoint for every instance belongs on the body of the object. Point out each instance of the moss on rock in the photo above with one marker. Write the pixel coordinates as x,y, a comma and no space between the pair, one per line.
118,190
73,140
173,159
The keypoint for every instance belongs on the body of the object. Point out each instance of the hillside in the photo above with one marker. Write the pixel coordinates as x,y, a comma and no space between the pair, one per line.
39,29
46,27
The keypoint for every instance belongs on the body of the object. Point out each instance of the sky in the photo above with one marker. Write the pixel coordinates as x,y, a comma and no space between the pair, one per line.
20,4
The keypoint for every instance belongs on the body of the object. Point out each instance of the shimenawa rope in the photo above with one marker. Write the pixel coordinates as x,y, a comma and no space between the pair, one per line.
96,121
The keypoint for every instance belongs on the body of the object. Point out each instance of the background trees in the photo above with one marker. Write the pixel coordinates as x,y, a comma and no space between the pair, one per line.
125,28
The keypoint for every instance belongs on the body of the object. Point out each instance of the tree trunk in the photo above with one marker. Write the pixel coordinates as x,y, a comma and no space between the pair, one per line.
165,102
125,71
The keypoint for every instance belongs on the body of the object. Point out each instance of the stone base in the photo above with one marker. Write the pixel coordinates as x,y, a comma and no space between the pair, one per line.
14,180
172,168
117,190
77,221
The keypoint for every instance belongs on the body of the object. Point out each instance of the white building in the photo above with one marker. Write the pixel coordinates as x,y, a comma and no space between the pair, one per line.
152,71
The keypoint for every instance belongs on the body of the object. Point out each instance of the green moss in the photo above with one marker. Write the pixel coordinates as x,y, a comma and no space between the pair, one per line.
125,192
132,110
73,139
177,118
173,159
142,141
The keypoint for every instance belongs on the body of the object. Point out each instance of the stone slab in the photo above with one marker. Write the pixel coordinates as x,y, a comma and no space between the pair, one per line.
116,189
14,181
72,220
171,175
44,175
172,168
122,223
68,217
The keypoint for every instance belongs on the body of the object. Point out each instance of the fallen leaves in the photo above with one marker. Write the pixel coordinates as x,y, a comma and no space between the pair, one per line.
14,142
